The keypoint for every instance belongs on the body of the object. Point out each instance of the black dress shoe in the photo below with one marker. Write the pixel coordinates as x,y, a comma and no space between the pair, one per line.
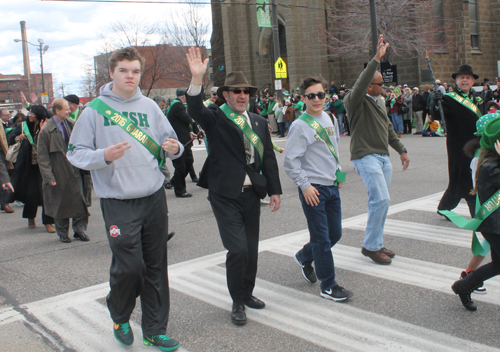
254,303
168,185
195,179
184,195
65,239
81,236
170,235
238,315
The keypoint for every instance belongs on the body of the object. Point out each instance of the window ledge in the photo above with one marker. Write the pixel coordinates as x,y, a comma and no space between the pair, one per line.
476,52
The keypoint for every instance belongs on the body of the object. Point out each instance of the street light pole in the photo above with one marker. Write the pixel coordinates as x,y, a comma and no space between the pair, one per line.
41,63
373,20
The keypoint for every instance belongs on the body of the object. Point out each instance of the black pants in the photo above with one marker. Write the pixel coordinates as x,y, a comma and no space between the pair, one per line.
238,221
491,269
182,166
407,126
449,201
137,233
30,210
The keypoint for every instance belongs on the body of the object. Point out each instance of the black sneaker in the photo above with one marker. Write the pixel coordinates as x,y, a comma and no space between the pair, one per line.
307,270
123,333
336,293
480,290
464,295
164,342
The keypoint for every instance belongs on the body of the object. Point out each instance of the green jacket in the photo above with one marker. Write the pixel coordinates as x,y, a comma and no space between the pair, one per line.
270,107
338,106
371,130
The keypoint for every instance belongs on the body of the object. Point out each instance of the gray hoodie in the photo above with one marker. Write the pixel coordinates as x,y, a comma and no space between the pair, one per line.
136,174
307,158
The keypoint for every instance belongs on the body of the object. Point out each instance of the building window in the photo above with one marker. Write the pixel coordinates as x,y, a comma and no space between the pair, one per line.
474,25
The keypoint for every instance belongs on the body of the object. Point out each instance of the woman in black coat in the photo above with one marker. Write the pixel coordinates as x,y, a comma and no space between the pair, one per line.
26,179
486,95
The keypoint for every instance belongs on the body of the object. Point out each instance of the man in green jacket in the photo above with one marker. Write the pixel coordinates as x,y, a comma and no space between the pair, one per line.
371,135
270,114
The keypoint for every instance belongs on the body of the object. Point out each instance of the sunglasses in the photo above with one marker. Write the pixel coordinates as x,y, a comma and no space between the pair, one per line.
312,96
214,93
381,84
239,91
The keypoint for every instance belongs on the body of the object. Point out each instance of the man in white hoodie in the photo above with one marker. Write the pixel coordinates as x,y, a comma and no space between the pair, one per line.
122,137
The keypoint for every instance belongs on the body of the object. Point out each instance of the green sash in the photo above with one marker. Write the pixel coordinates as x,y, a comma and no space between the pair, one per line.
172,103
7,130
465,102
315,125
27,133
482,212
241,122
130,127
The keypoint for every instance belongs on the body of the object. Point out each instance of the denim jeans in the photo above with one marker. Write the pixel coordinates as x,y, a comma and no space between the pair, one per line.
397,121
376,172
340,118
281,129
287,125
325,229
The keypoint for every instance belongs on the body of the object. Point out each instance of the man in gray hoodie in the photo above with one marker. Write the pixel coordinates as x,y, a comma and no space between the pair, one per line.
118,138
311,161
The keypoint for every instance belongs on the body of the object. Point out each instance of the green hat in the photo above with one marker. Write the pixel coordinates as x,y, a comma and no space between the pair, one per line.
180,92
483,121
285,93
491,134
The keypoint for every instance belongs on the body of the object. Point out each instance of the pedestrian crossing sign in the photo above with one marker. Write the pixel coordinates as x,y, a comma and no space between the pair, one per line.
280,68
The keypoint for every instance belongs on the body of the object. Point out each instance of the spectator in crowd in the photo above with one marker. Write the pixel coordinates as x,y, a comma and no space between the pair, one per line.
4,146
418,106
333,89
288,116
64,187
394,102
425,94
213,97
486,96
339,110
278,113
407,116
26,178
74,105
270,114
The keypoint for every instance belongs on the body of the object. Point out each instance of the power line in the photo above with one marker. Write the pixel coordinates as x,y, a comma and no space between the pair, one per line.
278,4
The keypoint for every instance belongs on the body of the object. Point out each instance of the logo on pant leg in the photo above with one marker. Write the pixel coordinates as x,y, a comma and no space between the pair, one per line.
114,231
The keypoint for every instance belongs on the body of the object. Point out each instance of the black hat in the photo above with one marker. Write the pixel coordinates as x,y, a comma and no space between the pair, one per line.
72,99
180,91
465,70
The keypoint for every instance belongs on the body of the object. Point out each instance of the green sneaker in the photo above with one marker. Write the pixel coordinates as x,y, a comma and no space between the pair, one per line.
123,333
164,342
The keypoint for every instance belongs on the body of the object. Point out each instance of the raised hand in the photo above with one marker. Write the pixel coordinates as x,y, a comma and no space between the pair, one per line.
23,98
197,66
381,48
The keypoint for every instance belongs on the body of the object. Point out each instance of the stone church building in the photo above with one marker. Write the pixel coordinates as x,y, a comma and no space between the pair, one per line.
238,44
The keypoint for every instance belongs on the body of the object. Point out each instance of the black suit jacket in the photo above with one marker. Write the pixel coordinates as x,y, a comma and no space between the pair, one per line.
225,169
180,121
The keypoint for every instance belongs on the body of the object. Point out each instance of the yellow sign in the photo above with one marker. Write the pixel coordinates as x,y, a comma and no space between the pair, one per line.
280,68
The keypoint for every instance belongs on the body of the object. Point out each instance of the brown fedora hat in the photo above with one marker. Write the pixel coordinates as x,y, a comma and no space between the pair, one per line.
235,79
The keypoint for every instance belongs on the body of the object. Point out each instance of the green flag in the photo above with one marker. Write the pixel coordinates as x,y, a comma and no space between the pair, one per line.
263,13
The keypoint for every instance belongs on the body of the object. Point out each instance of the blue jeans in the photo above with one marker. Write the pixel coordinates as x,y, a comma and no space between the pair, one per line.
287,125
340,118
325,229
376,172
397,121
281,129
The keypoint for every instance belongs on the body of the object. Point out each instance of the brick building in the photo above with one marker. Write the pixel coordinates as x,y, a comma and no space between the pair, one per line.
238,44
12,85
165,70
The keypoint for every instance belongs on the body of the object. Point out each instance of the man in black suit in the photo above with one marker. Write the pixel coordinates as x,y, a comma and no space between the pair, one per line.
181,123
240,168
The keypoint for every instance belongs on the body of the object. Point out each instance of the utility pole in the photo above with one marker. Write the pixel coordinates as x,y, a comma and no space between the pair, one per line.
276,40
373,19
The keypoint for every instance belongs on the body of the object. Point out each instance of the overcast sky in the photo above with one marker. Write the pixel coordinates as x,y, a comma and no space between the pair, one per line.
71,29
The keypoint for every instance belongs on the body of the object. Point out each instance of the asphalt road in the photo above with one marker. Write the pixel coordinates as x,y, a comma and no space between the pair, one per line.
52,294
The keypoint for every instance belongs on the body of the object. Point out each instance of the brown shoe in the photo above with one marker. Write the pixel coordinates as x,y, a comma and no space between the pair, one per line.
378,257
31,223
7,209
50,228
388,252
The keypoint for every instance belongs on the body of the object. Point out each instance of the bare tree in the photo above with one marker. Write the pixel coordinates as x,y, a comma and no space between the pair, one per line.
192,28
88,82
409,25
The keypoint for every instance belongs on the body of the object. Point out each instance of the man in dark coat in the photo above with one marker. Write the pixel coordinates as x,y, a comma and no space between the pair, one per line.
461,112
240,168
181,123
63,186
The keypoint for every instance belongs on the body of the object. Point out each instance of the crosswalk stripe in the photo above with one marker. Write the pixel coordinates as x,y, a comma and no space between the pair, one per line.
325,323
